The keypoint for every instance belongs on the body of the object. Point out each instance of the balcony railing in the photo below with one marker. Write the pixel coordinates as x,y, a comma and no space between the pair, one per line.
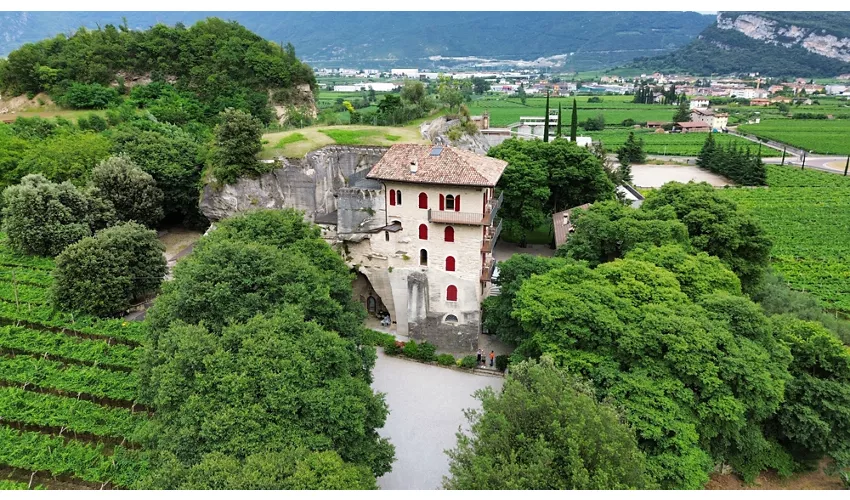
468,218
487,270
492,236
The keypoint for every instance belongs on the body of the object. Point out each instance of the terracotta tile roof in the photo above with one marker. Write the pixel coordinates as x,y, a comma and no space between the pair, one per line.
692,124
451,166
562,224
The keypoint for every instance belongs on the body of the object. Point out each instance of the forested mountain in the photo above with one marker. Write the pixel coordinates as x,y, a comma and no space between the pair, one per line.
386,39
804,44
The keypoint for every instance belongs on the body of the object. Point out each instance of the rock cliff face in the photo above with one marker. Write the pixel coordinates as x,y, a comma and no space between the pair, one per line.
817,41
436,131
311,183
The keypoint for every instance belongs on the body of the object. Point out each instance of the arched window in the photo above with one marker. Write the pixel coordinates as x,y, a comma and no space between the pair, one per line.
423,257
423,200
392,197
450,263
423,232
442,202
450,233
398,196
457,203
450,318
451,293
450,202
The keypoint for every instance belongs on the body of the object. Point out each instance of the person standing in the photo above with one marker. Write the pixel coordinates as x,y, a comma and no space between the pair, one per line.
480,354
492,357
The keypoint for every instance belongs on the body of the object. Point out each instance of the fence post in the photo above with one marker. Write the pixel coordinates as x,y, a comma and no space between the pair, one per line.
783,155
804,161
846,165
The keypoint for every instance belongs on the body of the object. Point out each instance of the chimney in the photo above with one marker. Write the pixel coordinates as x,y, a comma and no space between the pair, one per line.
413,166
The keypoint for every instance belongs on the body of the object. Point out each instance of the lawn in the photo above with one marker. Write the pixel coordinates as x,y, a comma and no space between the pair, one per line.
542,235
312,138
807,215
819,136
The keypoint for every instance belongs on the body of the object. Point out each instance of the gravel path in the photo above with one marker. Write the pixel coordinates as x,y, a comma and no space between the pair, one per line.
426,409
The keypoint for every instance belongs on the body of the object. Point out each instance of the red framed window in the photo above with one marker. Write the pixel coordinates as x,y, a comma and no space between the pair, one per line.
392,197
457,203
442,202
450,233
450,202
423,200
398,196
423,232
451,293
450,263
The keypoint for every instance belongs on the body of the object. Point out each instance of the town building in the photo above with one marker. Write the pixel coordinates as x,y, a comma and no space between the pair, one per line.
698,103
759,102
358,87
688,127
714,121
421,238
405,72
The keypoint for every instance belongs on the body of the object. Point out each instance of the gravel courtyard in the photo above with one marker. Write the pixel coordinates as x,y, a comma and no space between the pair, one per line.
426,408
654,176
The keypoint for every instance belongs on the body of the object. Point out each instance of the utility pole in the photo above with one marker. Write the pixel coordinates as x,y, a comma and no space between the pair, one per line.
804,161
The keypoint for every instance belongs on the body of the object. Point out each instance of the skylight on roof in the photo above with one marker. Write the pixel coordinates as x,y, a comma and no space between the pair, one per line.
436,150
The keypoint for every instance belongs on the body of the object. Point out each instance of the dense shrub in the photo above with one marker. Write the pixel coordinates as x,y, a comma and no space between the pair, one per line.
411,349
88,96
426,351
238,140
92,122
43,218
469,362
392,349
131,191
107,273
376,338
446,360
502,362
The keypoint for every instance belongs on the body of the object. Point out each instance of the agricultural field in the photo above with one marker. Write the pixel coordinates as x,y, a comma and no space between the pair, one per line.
673,144
297,143
818,136
506,110
68,388
807,215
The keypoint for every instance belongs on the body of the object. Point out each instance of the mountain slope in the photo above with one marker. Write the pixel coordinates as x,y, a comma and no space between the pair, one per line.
804,44
384,39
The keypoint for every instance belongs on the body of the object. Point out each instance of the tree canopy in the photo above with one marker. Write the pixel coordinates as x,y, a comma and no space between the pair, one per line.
131,191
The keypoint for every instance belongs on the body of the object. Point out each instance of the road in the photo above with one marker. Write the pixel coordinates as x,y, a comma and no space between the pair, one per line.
426,409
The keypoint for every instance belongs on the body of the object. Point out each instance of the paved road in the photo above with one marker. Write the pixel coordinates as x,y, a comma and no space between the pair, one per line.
426,409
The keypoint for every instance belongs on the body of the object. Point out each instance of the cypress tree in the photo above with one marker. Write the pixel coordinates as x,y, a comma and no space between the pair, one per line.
546,120
558,129
707,153
574,123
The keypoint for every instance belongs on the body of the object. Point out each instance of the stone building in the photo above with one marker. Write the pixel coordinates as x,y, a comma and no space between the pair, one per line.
425,248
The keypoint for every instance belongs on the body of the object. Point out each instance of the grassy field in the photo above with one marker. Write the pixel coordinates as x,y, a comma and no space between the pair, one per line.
807,215
819,136
67,387
312,138
674,144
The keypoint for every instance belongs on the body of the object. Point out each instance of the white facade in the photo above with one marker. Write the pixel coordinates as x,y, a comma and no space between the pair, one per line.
715,121
405,72
698,103
357,87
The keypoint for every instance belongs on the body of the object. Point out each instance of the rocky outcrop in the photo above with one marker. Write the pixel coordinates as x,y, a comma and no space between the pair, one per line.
787,35
437,131
301,99
311,183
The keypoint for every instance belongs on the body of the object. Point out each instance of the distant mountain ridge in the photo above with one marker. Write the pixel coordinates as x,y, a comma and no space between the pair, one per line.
591,40
805,44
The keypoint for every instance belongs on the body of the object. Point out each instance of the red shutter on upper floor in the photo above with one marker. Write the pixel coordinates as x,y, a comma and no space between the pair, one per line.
423,200
451,293
442,202
392,197
457,203
450,263
450,233
423,232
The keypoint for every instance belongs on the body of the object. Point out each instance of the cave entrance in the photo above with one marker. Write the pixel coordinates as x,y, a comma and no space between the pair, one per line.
376,311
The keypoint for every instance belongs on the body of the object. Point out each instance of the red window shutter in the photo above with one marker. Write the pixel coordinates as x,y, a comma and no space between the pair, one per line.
423,232
451,293
423,200
450,233
450,263
442,202
457,203
392,197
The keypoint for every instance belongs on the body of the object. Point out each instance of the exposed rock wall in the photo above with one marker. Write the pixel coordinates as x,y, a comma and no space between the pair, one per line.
436,131
769,31
310,183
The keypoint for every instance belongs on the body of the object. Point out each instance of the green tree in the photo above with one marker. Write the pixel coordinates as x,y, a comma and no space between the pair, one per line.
558,128
521,93
717,226
524,185
449,92
131,191
109,272
238,140
43,218
69,156
413,92
631,151
683,112
546,120
545,430
574,123
480,85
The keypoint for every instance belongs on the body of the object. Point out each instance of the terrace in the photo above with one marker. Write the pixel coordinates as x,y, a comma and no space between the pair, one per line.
467,218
